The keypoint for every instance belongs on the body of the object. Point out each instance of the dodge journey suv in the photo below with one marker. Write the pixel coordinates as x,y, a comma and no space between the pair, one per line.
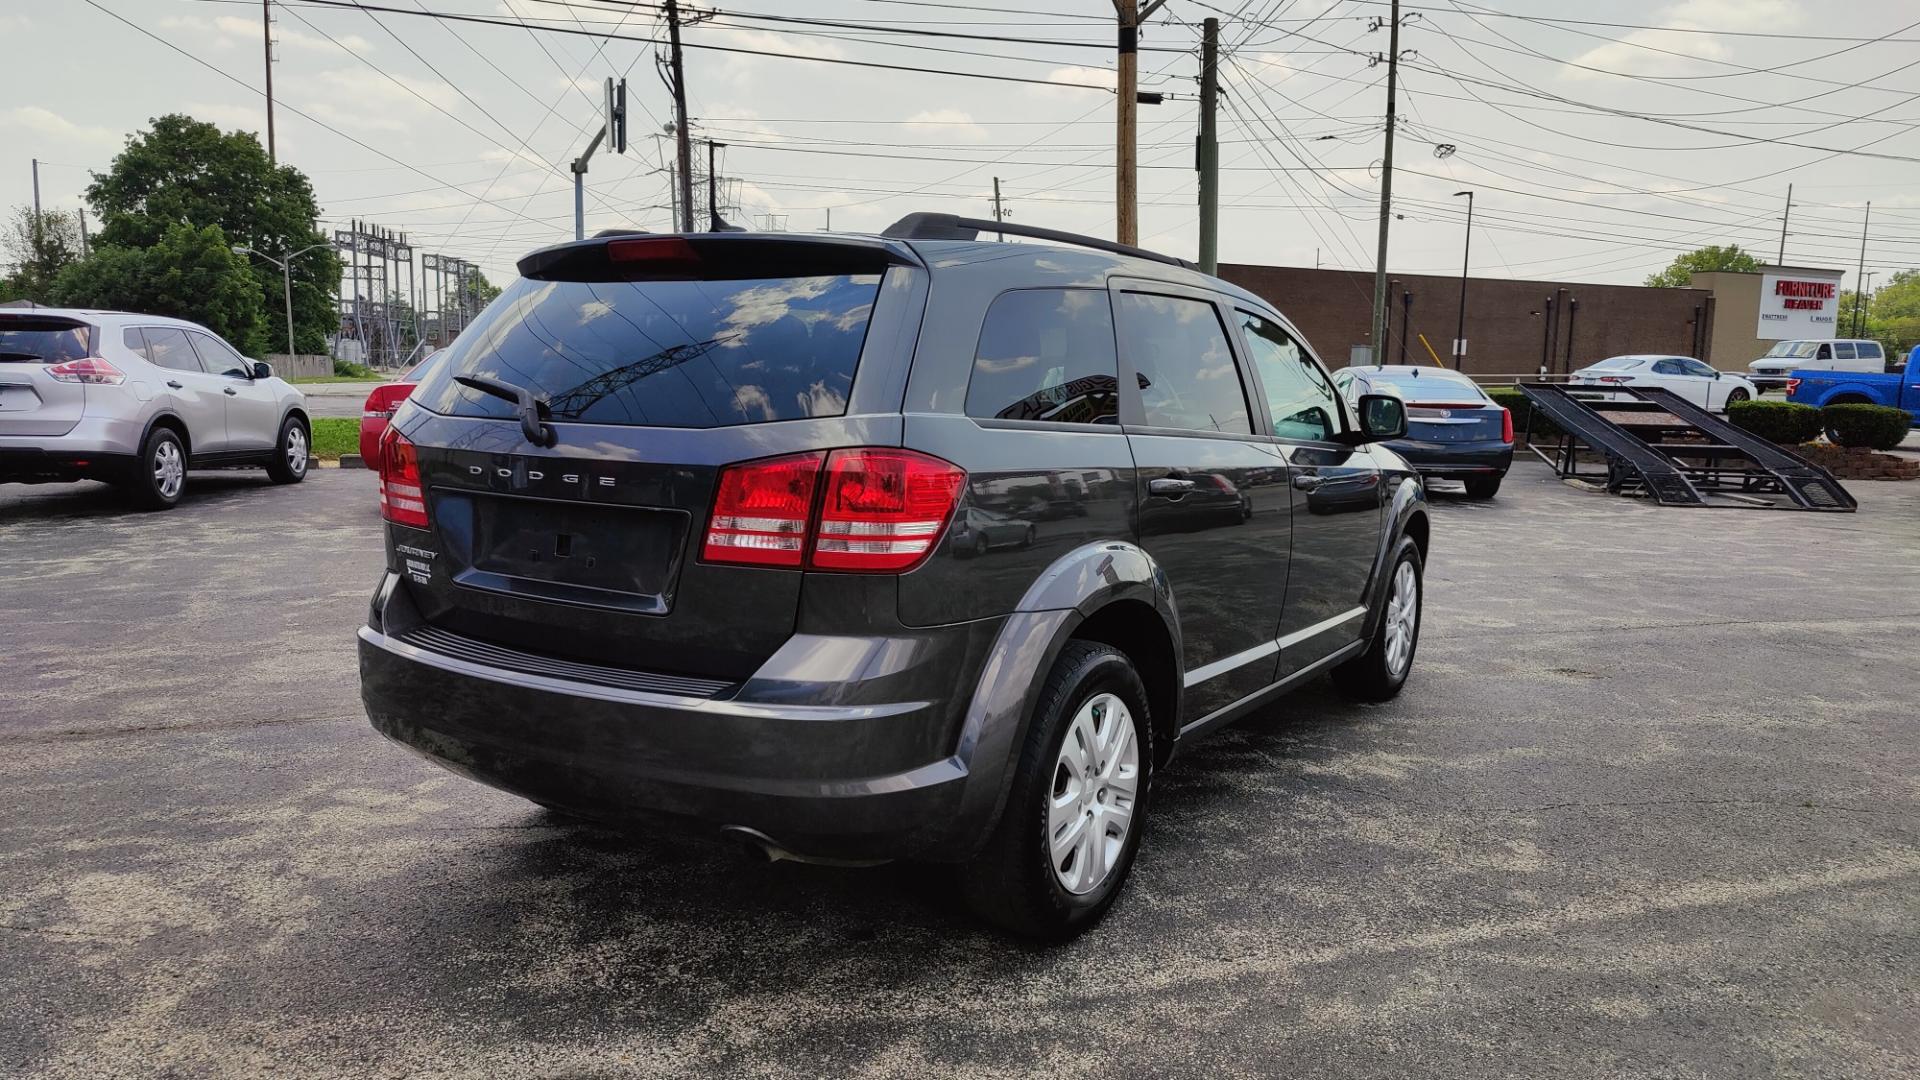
860,548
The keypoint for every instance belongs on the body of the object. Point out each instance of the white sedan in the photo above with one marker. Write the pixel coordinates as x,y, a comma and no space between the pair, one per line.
1711,390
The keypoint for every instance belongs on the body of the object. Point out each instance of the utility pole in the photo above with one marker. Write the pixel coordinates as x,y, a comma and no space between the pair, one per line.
1782,260
83,232
1859,273
1208,158
1386,187
1125,188
266,34
1860,299
999,213
829,219
36,196
1466,246
682,139
713,188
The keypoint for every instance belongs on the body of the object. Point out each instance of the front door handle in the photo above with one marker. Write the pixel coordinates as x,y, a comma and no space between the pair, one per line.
1170,486
175,385
231,392
1308,482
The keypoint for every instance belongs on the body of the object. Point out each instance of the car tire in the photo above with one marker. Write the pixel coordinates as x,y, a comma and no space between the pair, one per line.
1482,487
1380,672
292,452
160,475
1733,395
1016,882
980,544
1032,534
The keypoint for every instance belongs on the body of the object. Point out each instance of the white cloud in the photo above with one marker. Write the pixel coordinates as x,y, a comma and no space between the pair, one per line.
952,123
1634,53
226,32
1078,75
51,124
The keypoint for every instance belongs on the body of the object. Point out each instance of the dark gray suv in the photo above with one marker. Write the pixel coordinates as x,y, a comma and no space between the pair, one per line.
908,546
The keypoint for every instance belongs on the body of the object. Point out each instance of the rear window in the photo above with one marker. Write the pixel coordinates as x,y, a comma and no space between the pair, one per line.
1620,363
1429,388
1047,354
29,340
690,354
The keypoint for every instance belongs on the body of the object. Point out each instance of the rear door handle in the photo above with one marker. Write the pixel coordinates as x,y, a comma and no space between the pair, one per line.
231,392
1170,486
1308,482
175,385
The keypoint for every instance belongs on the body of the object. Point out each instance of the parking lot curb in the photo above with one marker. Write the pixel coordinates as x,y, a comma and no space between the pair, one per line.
352,461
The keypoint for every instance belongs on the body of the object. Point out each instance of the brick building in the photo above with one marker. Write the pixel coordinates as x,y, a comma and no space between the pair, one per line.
1510,324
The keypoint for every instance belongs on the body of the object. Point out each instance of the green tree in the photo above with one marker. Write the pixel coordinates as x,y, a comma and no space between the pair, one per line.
188,273
1702,261
37,249
186,170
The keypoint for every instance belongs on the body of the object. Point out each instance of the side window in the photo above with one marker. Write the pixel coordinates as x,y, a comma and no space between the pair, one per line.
137,345
217,357
1843,350
1047,354
1825,353
1669,367
167,346
1695,367
1302,401
1870,350
1184,364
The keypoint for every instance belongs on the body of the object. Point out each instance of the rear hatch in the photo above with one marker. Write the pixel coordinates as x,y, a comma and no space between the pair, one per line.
32,401
656,362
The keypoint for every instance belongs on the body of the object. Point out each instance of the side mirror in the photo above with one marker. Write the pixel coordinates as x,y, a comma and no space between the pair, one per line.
1716,375
262,370
1382,417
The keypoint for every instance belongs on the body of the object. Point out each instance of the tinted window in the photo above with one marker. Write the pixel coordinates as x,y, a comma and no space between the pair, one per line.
42,340
1619,363
1185,367
1843,350
1046,354
167,346
1870,350
1299,396
1695,367
218,357
1669,367
425,367
1825,353
1417,388
665,353
136,344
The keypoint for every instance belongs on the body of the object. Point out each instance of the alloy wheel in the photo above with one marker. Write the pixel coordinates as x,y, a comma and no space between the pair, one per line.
297,449
1403,618
1096,786
169,469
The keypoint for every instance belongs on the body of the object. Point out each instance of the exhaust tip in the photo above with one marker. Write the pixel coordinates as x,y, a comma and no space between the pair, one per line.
760,843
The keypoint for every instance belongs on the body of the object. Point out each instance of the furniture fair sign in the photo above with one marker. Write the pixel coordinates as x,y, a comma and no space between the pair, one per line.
1798,303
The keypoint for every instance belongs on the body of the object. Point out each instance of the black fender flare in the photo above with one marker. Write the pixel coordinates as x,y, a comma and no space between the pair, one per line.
186,433
1408,503
1074,588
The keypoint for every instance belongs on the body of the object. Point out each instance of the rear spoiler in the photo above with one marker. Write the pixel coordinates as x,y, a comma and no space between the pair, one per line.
636,256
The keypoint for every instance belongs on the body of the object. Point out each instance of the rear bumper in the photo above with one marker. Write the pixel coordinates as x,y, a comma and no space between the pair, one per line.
42,466
803,759
1455,461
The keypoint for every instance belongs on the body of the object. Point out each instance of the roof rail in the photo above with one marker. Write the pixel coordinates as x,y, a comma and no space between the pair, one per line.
949,227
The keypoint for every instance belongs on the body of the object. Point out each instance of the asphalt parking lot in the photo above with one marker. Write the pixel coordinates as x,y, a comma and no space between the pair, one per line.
1648,808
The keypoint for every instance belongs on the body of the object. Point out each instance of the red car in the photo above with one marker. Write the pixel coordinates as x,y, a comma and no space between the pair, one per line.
382,403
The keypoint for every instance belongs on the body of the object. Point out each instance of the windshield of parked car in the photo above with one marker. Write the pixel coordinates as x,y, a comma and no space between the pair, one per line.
42,340
1418,388
694,354
1619,363
1798,349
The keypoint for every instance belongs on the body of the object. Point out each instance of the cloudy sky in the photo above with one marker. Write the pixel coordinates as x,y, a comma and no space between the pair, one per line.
1600,138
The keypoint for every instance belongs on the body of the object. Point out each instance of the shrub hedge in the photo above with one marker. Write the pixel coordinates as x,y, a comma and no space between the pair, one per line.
1876,426
1788,423
1510,396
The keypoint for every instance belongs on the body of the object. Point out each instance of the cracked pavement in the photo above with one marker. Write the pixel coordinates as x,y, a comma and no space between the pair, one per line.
1646,809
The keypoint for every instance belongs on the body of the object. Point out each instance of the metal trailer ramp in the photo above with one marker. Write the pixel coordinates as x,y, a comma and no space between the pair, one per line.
1658,443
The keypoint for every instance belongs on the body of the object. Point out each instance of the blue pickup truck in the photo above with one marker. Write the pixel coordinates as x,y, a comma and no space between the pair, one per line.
1900,389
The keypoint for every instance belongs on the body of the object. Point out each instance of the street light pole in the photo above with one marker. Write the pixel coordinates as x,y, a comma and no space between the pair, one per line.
286,277
1466,246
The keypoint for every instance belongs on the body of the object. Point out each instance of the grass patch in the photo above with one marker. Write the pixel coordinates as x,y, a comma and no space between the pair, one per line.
335,435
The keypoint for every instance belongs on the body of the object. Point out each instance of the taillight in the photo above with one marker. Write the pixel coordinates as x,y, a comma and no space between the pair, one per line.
403,500
385,399
1506,425
1792,385
883,509
879,510
1615,379
760,511
90,369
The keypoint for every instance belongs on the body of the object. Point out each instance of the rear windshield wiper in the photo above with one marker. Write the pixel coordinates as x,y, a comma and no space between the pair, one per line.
528,406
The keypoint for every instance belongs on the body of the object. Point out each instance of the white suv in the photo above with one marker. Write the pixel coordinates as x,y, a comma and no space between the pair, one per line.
1830,354
135,400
